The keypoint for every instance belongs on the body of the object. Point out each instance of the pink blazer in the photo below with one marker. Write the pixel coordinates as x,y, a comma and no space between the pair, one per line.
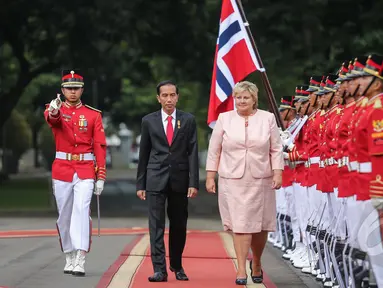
228,152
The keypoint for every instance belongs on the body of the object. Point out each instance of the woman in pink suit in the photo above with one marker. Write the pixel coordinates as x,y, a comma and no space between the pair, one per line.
246,150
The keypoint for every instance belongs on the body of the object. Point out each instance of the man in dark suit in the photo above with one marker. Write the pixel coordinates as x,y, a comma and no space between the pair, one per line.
168,169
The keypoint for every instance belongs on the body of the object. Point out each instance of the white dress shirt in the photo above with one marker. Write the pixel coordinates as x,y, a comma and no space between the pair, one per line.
165,119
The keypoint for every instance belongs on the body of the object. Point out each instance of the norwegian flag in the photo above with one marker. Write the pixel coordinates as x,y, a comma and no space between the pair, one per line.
234,60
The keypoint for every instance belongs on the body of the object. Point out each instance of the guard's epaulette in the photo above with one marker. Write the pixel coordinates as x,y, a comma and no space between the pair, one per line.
364,102
378,103
90,107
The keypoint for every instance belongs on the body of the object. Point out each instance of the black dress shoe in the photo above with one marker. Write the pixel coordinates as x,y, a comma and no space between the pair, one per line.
158,277
180,274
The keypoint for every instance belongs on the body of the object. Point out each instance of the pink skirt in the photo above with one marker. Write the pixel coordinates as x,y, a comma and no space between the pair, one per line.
247,205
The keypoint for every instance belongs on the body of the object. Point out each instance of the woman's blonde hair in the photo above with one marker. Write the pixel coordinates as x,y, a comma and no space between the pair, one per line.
247,86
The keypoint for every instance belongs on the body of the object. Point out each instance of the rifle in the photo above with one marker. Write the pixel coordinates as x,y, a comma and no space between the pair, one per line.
332,253
321,261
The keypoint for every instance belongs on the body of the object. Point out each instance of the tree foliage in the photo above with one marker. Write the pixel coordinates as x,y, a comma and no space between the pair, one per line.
125,47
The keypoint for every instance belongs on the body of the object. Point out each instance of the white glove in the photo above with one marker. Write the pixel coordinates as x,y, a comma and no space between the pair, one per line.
288,144
285,155
285,135
55,105
377,203
99,187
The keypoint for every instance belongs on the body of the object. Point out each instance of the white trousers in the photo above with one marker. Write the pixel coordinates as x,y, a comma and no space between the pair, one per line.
340,210
329,213
302,208
353,216
281,201
291,211
73,204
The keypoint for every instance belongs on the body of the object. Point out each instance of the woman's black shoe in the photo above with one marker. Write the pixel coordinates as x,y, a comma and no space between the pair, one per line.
256,279
241,281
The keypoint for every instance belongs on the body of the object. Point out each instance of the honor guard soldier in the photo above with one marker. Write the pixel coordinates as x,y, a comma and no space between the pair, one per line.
321,135
298,176
300,153
354,209
331,101
288,115
355,90
369,130
343,132
78,170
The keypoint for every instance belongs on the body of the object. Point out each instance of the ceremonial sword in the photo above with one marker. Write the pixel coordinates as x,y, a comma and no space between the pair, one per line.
296,131
294,125
98,214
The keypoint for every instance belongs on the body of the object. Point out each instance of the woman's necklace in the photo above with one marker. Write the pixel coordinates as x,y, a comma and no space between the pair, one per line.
247,118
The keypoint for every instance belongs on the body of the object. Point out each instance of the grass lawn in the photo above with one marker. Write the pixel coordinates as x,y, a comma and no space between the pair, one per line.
25,194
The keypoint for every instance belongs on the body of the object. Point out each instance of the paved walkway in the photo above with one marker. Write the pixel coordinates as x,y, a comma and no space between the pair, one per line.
112,174
30,257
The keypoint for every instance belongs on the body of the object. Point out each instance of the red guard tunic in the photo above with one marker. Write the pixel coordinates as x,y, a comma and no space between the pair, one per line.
331,147
342,149
313,148
362,154
78,130
299,171
352,149
321,182
375,146
288,173
301,153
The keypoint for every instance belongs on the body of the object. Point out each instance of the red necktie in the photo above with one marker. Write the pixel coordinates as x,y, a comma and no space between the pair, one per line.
169,130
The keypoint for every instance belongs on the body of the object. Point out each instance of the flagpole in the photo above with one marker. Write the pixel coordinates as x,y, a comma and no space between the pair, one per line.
271,99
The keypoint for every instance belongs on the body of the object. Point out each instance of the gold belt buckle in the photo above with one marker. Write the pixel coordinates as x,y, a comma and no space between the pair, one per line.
75,157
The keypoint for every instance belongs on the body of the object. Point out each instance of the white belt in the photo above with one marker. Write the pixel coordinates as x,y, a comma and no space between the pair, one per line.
345,160
353,166
314,160
74,157
299,162
321,164
365,167
330,161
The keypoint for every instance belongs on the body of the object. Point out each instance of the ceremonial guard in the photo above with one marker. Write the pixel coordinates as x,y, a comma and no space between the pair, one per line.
78,170
353,212
297,171
329,170
339,190
369,139
330,145
321,135
298,154
343,131
285,195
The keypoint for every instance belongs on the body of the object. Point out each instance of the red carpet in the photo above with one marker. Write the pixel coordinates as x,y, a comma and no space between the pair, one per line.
109,274
205,261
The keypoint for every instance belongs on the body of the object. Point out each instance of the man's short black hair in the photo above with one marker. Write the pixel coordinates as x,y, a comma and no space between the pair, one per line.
164,83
